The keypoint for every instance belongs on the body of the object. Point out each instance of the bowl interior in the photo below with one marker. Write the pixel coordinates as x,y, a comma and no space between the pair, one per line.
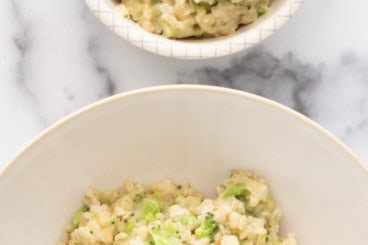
188,133
275,6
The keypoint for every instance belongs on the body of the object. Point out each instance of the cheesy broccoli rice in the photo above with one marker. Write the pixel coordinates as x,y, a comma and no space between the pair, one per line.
193,18
243,213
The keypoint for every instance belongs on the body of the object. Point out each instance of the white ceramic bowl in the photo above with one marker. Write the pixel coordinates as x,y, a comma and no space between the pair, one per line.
247,36
191,133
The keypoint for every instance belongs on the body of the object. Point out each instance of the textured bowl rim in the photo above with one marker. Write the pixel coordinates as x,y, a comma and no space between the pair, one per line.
201,88
204,49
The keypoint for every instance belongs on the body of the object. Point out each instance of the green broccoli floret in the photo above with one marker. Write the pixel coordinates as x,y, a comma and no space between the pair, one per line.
150,208
234,190
262,8
188,219
77,217
170,228
161,240
158,238
150,241
129,225
208,228
203,5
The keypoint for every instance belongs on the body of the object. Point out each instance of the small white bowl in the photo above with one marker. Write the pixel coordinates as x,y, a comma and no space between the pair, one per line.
186,133
247,36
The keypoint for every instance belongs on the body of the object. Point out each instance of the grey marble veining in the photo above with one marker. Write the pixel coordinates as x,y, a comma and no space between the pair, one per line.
286,79
56,57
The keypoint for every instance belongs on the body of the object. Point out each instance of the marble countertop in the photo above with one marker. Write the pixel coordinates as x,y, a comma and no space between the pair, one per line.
56,57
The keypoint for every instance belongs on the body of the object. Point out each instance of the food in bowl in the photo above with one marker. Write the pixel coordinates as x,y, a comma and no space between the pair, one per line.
192,18
165,213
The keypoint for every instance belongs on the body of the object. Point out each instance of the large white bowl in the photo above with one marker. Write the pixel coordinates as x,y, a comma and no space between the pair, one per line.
191,133
247,36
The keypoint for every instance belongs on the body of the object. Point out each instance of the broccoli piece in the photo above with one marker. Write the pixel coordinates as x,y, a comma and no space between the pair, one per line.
129,225
170,228
203,5
150,208
158,238
161,240
150,241
208,228
188,219
234,190
262,8
77,217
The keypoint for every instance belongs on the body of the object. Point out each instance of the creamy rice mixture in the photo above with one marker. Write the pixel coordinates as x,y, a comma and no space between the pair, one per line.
193,18
164,213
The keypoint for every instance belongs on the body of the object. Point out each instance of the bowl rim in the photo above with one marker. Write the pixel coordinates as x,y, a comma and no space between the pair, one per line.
187,87
256,32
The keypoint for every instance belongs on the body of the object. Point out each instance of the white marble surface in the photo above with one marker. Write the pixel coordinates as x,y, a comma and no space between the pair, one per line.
55,57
